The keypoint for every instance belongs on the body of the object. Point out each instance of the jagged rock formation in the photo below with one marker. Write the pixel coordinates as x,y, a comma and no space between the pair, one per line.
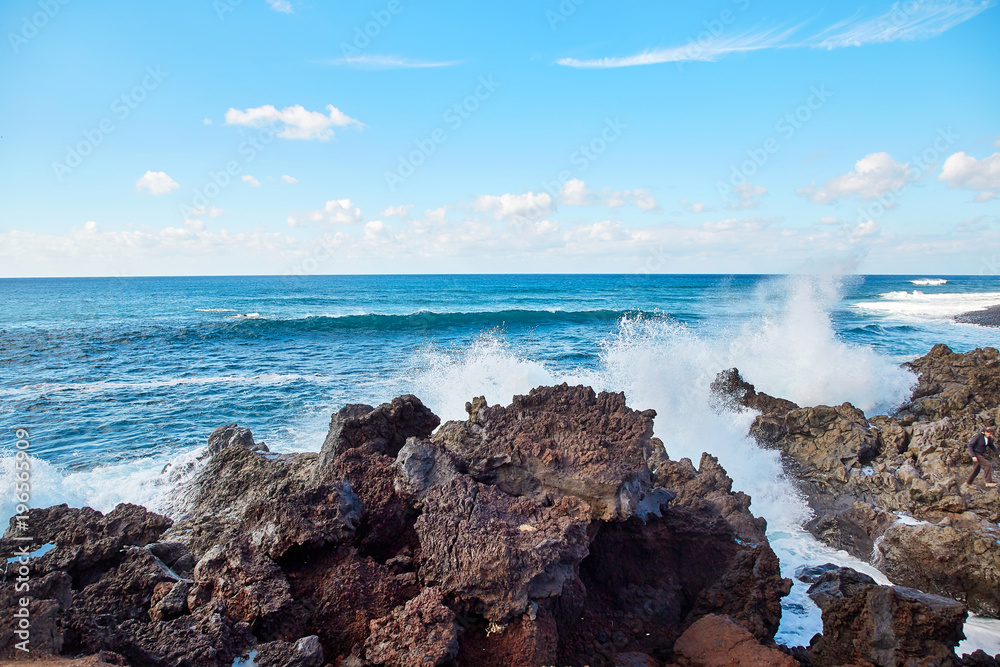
890,489
552,531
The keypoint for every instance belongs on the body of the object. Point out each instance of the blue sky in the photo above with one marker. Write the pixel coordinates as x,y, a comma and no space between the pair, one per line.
393,136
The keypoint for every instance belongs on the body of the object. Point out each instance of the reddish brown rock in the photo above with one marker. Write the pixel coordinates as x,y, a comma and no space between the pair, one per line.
421,633
387,515
528,640
341,592
493,553
250,587
716,641
539,533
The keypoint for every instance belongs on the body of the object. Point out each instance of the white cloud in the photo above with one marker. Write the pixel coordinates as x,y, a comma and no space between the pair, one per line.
254,183
371,61
437,215
829,220
643,200
435,242
156,183
747,195
397,211
863,229
966,172
290,180
298,122
283,6
575,192
509,206
996,143
335,212
909,21
206,121
185,249
874,175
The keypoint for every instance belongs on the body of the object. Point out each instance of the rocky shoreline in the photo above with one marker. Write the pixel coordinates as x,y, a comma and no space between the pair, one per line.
988,317
553,531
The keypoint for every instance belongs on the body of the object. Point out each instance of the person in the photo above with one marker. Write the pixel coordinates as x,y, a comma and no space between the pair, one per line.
977,450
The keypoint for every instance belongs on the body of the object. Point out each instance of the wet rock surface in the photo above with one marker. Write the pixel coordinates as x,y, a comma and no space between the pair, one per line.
868,624
891,489
555,530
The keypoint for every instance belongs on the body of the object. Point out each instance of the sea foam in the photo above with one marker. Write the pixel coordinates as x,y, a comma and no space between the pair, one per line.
916,306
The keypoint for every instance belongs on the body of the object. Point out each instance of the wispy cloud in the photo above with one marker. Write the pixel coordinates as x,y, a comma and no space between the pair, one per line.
909,21
370,61
708,51
905,22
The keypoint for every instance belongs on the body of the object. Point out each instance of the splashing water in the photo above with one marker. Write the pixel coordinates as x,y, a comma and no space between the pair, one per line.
661,364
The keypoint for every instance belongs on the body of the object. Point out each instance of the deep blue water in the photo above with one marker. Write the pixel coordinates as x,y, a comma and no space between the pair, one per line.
106,369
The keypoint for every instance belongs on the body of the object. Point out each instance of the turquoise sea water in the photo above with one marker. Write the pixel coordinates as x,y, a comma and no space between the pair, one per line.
116,379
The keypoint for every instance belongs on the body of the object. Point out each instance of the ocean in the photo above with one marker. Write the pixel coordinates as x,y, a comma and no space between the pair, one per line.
119,380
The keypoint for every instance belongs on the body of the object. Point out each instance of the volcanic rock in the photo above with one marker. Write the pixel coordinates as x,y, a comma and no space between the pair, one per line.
421,633
555,530
864,623
386,427
493,553
233,435
716,641
730,392
558,441
306,652
952,384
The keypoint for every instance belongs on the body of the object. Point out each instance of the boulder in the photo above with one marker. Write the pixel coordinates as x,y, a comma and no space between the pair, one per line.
233,435
386,427
958,556
559,441
270,500
387,516
716,641
864,623
207,638
555,530
821,445
341,592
